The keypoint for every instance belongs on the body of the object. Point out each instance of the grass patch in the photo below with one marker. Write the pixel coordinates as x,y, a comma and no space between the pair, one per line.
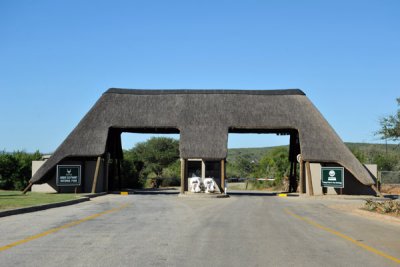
15,199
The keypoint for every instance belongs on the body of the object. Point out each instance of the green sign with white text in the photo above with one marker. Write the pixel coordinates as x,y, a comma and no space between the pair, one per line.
332,177
68,175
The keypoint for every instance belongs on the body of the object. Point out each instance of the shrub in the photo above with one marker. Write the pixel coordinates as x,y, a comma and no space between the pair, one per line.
165,182
389,206
15,169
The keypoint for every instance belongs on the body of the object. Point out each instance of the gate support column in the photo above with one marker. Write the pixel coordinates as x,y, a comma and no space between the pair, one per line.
183,175
309,179
223,176
96,175
106,171
203,169
302,178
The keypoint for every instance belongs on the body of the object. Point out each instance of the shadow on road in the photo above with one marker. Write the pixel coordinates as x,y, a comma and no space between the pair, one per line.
260,193
175,191
250,193
149,191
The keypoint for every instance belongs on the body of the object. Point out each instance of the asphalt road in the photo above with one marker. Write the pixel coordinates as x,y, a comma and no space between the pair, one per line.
164,230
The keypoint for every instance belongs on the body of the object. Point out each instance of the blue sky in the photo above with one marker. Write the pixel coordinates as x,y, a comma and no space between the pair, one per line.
58,57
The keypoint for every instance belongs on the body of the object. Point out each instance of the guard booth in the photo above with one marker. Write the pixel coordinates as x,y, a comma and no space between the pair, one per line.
212,169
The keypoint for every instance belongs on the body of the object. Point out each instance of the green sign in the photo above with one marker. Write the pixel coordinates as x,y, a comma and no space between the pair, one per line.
68,175
332,177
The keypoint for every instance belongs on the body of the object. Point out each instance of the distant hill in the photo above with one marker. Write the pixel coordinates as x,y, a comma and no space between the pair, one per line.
374,147
258,152
255,153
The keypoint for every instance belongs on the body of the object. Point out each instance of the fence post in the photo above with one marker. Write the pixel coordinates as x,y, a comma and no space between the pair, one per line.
379,180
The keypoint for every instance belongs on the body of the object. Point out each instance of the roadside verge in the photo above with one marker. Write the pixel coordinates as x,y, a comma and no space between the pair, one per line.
50,205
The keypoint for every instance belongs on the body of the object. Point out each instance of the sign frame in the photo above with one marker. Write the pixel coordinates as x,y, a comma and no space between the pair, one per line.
332,169
79,178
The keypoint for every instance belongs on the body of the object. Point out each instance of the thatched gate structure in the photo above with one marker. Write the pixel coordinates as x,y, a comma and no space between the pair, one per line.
203,118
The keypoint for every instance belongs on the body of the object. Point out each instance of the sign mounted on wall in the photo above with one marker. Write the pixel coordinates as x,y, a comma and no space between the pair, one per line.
68,175
332,177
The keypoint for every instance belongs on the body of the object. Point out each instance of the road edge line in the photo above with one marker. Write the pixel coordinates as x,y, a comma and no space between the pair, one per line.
35,208
57,229
339,234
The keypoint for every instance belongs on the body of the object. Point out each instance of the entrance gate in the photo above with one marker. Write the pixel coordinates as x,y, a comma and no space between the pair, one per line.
204,118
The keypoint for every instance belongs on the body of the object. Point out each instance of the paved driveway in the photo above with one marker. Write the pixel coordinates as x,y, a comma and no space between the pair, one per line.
164,230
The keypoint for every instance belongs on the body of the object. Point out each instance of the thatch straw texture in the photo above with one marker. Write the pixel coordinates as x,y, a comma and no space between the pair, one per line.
203,118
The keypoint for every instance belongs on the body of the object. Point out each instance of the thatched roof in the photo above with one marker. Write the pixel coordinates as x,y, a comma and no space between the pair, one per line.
204,118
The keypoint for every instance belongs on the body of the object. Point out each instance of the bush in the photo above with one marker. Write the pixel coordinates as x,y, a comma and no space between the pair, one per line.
170,182
370,205
389,206
16,169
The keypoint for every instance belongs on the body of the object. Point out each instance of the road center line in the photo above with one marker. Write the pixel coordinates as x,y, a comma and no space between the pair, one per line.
65,226
362,245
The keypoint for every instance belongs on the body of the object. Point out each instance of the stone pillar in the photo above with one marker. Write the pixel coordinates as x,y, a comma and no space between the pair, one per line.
203,169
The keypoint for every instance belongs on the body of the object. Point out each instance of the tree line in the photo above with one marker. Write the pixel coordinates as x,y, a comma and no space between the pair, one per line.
16,168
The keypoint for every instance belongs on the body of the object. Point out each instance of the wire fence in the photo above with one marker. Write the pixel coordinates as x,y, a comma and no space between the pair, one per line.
389,177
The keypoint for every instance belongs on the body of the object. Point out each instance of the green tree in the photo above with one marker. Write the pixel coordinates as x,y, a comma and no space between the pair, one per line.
131,169
275,164
386,162
231,169
24,167
8,168
171,174
173,170
16,169
158,153
158,158
245,166
390,130
390,126
360,155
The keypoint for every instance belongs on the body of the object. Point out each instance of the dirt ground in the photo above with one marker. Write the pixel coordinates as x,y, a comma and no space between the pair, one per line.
390,189
357,209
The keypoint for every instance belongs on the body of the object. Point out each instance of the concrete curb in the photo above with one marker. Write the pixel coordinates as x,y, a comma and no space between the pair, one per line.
202,195
49,206
93,195
343,197
145,192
